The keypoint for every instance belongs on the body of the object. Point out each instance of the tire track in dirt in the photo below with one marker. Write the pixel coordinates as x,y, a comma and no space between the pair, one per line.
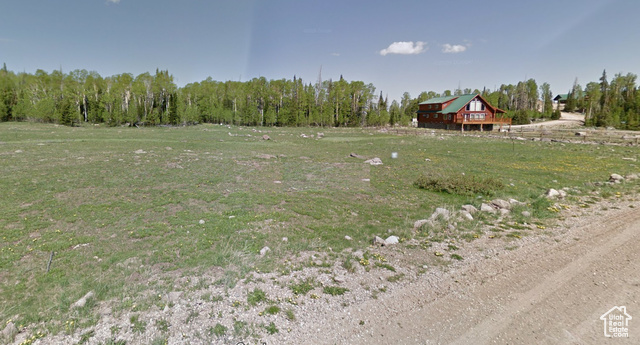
549,292
540,304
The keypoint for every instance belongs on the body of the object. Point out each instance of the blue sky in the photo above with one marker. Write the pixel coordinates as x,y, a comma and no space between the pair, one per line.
397,46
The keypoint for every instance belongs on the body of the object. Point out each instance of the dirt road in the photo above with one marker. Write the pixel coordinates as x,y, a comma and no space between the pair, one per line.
566,120
551,291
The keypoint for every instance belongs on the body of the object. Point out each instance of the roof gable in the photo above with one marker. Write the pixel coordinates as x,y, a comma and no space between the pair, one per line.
459,102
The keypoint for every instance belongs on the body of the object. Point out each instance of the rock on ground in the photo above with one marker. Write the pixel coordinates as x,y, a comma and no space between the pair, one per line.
378,241
82,301
419,223
501,204
616,178
392,240
374,161
440,212
470,208
486,208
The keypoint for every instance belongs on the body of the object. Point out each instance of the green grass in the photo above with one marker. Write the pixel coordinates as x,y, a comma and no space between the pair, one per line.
256,296
302,287
110,214
218,330
334,290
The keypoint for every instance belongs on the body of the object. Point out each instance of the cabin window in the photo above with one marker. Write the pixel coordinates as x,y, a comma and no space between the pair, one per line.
475,105
435,116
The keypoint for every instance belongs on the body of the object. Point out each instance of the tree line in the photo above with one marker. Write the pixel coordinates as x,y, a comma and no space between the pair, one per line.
154,99
607,103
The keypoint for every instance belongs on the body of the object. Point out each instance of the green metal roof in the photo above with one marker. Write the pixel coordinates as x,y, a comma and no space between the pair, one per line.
438,100
458,103
561,97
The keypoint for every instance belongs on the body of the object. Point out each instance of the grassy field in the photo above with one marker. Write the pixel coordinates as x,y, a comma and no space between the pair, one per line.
188,199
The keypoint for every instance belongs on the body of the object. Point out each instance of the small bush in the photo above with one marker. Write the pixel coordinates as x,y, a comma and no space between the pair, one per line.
272,310
137,325
218,330
303,287
290,315
271,328
256,296
334,290
459,184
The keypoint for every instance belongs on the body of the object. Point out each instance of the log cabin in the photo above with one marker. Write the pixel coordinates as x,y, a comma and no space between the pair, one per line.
463,112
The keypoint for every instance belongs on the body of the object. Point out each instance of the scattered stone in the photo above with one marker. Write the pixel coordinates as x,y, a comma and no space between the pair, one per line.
201,222
392,240
552,194
82,301
629,159
18,151
440,213
348,238
501,204
526,214
174,296
419,223
470,208
615,178
581,134
504,211
366,180
285,239
427,160
466,215
277,182
631,177
320,135
166,309
355,155
339,279
377,241
266,156
374,161
264,251
168,148
8,333
266,137
140,151
486,208
516,202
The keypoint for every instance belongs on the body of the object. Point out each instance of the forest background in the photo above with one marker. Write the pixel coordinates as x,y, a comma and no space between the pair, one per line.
82,96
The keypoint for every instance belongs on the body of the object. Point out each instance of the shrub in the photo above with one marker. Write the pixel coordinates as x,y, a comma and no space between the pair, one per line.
303,287
459,184
334,290
256,296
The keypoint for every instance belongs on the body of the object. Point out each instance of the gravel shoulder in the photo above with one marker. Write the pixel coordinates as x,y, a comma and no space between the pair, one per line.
550,291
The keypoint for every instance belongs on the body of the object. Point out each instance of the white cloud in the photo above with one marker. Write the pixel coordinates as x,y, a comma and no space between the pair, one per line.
453,49
114,1
405,48
335,54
